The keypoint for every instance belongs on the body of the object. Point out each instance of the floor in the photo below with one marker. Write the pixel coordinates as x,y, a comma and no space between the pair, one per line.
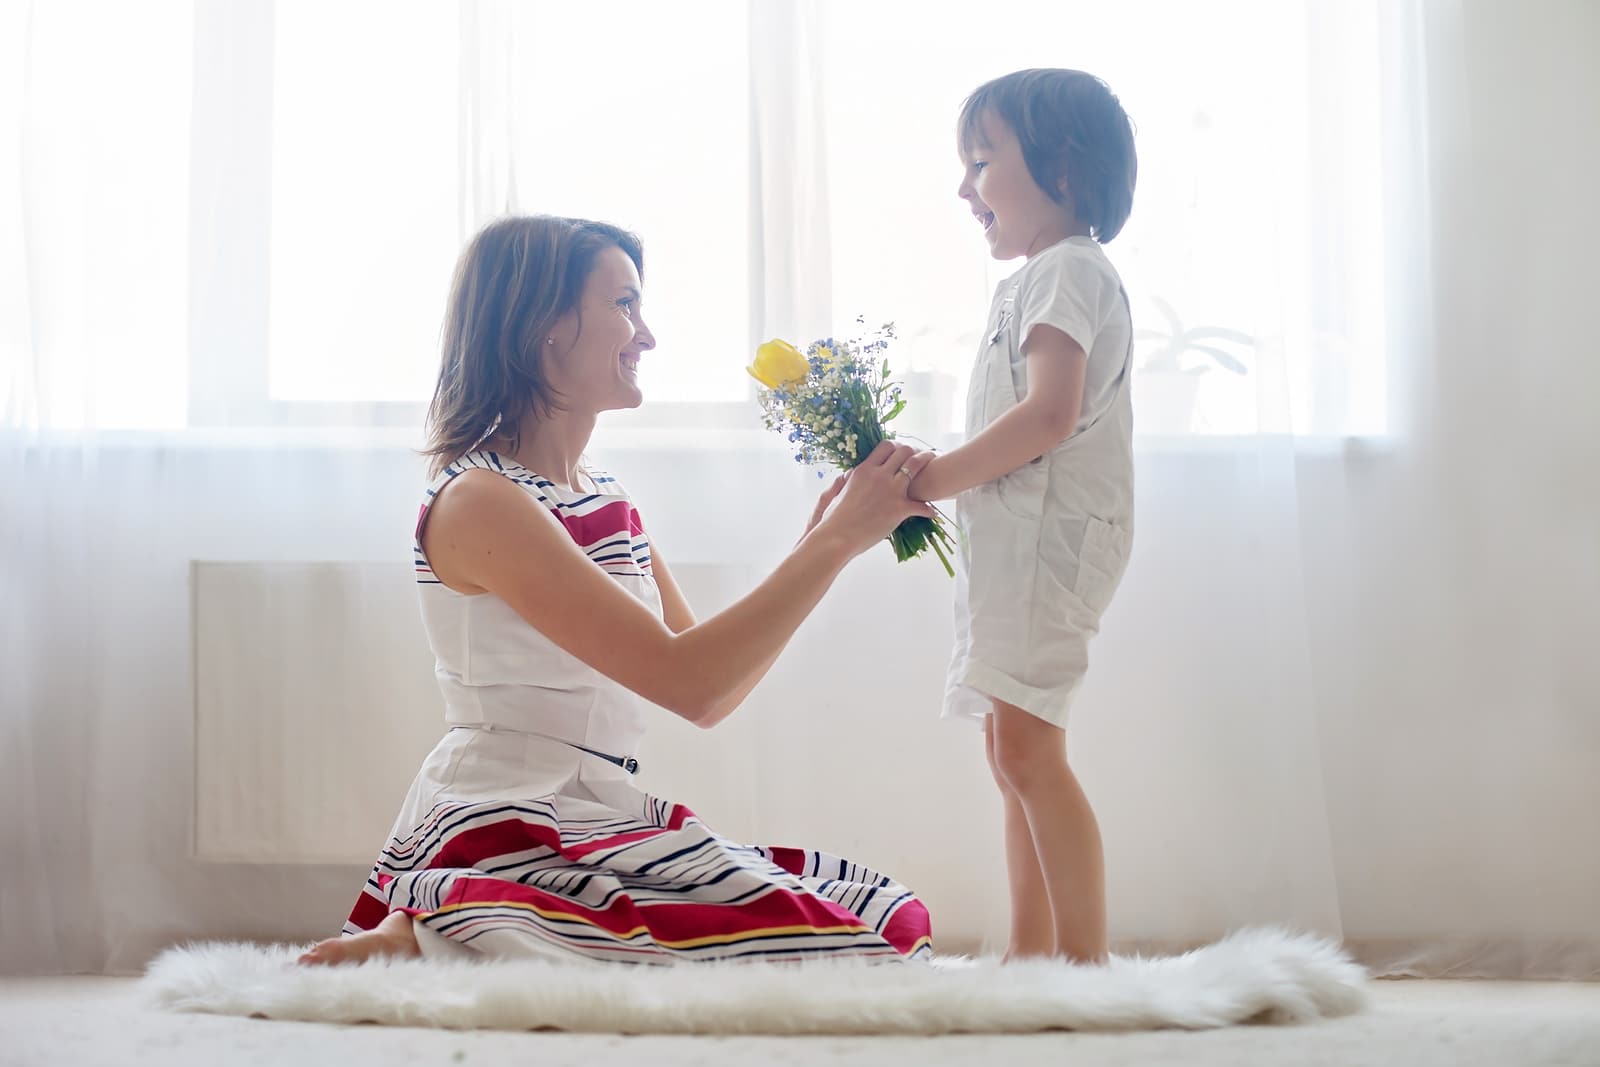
68,1022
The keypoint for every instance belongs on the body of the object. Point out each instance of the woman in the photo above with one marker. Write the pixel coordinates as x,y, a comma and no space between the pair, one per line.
554,620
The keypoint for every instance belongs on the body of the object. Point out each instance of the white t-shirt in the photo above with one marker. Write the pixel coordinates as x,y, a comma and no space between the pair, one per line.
1073,287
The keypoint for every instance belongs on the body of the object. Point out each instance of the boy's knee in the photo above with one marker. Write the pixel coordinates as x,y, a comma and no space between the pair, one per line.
1017,767
1024,749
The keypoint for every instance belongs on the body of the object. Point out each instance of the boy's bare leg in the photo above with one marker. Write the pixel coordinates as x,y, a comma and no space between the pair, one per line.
1031,756
1033,931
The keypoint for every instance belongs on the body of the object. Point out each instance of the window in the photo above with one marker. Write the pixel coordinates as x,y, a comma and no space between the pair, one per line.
367,182
364,180
1251,259
307,172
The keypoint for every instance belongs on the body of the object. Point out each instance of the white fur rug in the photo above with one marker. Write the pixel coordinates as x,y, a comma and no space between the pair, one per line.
1258,975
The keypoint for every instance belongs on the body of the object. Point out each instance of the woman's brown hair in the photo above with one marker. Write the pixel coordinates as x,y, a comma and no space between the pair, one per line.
515,279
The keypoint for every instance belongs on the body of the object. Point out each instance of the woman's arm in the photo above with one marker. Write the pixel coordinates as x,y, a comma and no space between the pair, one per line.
675,609
484,534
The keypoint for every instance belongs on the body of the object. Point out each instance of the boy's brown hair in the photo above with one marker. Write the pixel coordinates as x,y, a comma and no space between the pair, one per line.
1071,126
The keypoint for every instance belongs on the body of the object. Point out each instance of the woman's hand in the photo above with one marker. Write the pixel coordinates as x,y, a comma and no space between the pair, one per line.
823,502
864,506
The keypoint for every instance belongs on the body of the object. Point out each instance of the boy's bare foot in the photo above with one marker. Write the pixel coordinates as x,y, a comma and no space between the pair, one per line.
1015,955
1023,955
392,937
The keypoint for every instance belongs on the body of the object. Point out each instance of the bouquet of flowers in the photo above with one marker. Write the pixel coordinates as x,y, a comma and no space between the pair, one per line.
835,401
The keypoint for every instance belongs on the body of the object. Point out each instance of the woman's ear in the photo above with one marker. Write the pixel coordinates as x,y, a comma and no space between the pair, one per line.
563,334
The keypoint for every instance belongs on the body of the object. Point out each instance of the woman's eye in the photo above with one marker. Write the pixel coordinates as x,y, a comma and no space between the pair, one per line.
626,304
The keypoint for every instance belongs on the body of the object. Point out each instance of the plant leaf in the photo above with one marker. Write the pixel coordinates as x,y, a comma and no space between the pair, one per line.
1173,322
1223,358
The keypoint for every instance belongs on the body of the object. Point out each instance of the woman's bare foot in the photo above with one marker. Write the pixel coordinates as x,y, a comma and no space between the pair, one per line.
392,937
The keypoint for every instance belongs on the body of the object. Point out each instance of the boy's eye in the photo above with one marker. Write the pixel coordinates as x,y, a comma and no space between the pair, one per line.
978,165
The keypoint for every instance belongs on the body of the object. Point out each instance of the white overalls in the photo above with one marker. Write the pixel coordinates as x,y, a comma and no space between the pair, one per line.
1045,546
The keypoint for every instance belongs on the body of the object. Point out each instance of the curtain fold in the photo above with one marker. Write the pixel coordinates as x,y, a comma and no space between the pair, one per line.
791,252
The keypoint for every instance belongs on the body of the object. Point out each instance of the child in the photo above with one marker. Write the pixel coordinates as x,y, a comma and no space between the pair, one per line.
1044,482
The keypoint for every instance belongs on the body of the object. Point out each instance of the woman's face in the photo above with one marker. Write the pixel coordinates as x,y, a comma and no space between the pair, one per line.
594,350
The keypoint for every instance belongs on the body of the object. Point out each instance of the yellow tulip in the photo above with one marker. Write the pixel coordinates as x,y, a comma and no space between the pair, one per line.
777,364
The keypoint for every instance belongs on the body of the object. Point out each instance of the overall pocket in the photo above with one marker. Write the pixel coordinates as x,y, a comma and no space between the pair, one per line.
1102,561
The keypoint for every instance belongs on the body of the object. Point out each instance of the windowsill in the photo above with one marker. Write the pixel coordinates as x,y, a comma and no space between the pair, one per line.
677,426
634,438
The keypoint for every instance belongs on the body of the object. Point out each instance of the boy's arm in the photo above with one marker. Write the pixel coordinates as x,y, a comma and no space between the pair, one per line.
1044,418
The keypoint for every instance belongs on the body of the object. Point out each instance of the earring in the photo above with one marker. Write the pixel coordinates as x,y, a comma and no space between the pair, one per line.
549,340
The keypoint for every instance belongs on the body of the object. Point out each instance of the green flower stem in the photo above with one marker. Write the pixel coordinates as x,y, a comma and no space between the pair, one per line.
917,535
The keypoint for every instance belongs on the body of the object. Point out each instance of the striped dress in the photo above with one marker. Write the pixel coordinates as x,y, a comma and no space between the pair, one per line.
525,835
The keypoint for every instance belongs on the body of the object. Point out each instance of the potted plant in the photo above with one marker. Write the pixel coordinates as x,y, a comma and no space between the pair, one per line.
1173,360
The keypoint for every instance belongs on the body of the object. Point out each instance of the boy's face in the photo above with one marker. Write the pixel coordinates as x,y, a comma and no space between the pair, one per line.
1018,217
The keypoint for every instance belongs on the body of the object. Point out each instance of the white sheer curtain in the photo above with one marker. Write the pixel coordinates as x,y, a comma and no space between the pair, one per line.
1348,683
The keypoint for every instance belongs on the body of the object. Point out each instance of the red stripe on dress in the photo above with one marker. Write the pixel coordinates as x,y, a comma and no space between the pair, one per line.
777,908
908,925
618,919
472,846
792,860
466,848
369,911
603,523
678,815
666,922
507,837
